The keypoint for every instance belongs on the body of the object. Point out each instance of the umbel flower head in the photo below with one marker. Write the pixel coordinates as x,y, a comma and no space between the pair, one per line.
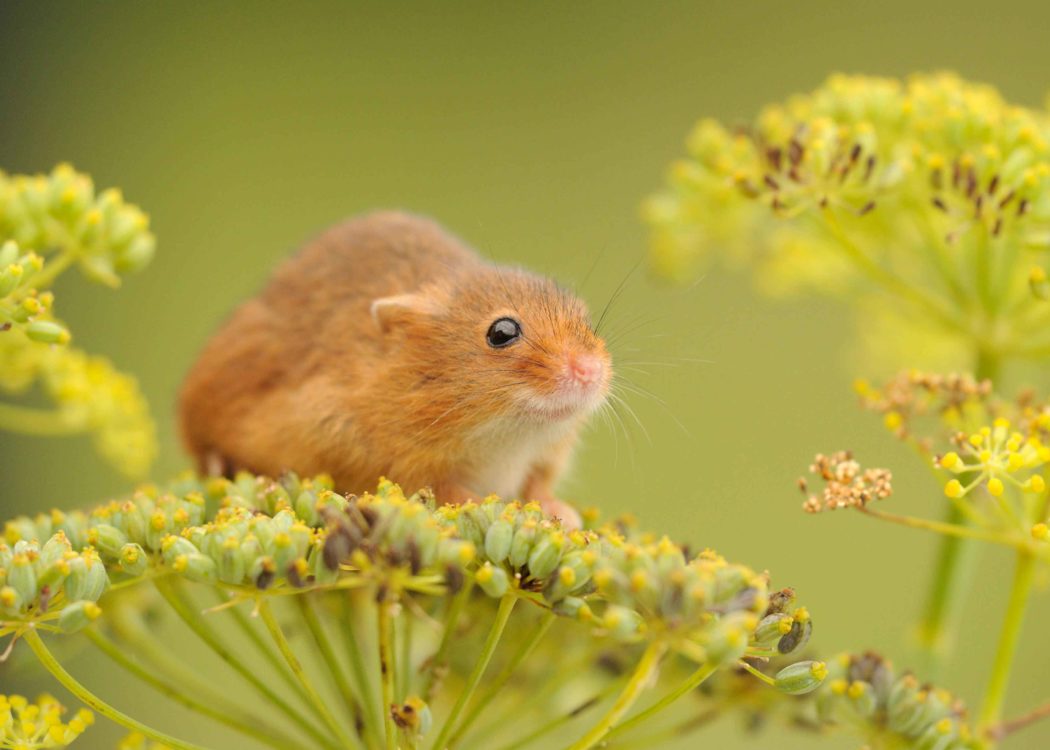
28,726
47,224
920,200
622,602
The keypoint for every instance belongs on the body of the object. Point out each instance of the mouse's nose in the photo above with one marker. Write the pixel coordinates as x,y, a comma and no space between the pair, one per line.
585,369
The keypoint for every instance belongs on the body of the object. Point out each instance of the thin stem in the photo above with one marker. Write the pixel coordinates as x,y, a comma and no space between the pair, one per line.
437,661
695,680
51,270
357,667
506,607
995,693
562,720
279,638
948,529
386,671
250,725
335,671
39,422
36,643
495,686
635,685
1006,728
208,636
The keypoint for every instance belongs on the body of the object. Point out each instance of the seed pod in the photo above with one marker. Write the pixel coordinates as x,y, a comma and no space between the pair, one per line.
109,540
796,638
133,559
545,555
773,627
801,677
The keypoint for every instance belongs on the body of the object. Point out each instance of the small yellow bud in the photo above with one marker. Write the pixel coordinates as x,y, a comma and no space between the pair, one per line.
1040,531
1036,483
892,420
953,489
995,487
950,460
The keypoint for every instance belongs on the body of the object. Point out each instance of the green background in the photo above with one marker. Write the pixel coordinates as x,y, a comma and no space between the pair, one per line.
533,130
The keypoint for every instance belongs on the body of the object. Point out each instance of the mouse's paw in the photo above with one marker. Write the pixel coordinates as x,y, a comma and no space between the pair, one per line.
568,515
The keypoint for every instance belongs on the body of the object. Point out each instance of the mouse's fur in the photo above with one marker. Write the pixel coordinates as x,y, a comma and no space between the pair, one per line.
366,355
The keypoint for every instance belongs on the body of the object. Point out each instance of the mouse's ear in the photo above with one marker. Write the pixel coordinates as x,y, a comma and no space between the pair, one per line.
387,312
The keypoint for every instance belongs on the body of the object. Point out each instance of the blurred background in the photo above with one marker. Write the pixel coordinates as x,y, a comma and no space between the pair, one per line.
534,131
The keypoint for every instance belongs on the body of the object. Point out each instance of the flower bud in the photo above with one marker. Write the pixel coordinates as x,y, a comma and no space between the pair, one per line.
22,578
545,555
801,677
109,540
521,545
77,615
492,580
773,627
622,623
133,559
498,540
196,567
47,332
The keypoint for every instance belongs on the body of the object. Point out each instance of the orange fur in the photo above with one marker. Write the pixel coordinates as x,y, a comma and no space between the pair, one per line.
314,375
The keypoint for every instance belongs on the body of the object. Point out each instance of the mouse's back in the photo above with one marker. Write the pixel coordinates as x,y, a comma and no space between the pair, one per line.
313,314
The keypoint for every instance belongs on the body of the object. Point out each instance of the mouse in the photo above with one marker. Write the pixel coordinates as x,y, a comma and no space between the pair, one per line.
387,347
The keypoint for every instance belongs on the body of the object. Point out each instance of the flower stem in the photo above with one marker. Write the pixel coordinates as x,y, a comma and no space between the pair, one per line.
252,726
36,643
496,685
357,666
948,529
437,662
691,683
279,638
208,636
40,422
386,670
335,671
635,685
506,607
995,693
563,719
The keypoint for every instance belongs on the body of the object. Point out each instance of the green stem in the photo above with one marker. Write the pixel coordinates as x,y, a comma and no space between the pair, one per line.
52,269
635,685
954,567
279,638
940,527
506,607
495,686
437,662
36,643
562,720
386,671
335,671
695,680
252,726
1009,636
357,666
203,631
40,422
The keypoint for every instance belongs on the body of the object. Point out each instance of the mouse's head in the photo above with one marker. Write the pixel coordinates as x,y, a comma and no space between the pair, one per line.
513,342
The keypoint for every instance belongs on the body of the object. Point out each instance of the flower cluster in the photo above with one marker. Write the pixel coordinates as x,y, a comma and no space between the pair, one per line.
929,190
994,456
259,540
846,485
28,726
50,583
891,709
47,224
61,213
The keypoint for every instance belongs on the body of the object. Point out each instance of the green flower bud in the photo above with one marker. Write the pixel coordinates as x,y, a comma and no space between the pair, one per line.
521,545
622,623
133,559
47,332
87,579
492,580
196,567
773,627
801,677
22,578
77,615
109,540
498,540
10,600
543,559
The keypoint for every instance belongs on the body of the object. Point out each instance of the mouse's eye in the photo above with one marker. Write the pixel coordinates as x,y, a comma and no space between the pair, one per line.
503,332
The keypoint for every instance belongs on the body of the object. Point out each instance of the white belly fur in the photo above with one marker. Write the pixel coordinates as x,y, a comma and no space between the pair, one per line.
507,450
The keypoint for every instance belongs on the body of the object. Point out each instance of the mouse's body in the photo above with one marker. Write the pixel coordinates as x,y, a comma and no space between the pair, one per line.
386,347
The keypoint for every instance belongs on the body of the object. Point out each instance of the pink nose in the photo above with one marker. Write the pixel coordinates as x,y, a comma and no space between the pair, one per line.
585,369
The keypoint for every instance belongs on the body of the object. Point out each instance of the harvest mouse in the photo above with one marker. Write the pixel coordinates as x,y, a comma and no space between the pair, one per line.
387,347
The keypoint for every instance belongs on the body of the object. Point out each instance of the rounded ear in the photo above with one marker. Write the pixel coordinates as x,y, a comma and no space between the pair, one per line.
388,312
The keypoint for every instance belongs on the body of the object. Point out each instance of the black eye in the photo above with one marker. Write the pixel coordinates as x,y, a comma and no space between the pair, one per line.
503,332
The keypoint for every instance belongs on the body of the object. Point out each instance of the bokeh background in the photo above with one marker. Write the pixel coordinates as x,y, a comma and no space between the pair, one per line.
533,130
